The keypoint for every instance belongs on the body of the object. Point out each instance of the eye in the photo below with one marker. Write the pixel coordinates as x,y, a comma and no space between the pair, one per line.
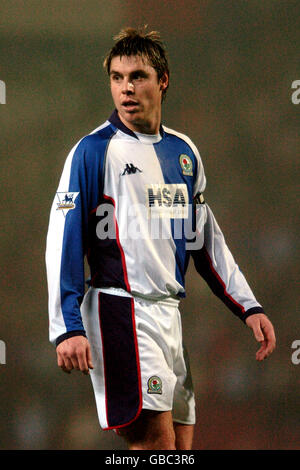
138,76
115,77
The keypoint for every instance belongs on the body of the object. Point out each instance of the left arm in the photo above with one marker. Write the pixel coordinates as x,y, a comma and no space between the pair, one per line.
215,263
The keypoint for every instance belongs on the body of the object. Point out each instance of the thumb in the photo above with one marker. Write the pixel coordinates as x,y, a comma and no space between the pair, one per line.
258,334
254,322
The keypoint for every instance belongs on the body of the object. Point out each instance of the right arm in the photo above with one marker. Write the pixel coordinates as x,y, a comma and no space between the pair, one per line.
66,246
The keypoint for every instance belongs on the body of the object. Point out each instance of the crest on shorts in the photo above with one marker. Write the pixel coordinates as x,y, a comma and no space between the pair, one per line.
154,385
186,164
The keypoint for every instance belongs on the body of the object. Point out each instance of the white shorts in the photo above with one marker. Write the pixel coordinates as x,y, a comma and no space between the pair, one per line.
138,357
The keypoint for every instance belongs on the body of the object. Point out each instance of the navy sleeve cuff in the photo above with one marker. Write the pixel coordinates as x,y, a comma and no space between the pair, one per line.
69,334
252,311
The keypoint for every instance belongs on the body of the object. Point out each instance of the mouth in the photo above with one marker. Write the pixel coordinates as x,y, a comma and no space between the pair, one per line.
130,105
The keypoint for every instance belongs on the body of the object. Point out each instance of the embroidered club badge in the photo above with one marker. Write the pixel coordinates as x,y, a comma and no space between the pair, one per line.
155,385
186,164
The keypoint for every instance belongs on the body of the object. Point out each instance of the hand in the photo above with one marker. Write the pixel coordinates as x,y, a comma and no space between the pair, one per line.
264,333
74,353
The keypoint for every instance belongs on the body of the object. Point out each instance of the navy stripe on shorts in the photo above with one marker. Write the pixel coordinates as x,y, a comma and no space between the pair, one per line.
121,360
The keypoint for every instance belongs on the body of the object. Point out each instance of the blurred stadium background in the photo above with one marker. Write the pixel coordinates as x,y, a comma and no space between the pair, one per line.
232,66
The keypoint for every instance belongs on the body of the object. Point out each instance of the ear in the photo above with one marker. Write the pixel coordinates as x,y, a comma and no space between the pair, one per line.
164,82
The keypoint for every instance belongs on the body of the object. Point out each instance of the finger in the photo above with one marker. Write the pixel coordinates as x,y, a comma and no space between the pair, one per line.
89,358
60,361
265,351
65,364
83,364
74,358
261,353
270,339
86,361
270,336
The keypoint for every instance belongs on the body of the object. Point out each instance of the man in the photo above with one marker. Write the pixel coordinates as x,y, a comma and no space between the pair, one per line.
126,196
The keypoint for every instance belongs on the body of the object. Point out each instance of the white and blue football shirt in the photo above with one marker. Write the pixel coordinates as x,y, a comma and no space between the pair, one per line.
132,205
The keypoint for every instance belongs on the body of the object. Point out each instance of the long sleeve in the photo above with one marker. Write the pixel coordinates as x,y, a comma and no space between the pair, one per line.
67,239
215,263
213,259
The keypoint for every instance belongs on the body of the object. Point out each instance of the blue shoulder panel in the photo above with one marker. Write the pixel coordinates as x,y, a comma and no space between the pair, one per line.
86,178
179,166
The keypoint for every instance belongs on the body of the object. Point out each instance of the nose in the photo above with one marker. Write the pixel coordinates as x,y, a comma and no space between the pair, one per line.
128,87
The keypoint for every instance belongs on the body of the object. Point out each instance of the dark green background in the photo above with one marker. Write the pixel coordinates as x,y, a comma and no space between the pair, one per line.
232,66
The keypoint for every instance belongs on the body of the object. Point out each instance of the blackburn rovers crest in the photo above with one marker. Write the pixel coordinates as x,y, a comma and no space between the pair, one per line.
155,385
186,164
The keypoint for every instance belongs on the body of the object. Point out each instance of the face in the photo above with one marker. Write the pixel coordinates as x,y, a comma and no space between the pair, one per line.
137,93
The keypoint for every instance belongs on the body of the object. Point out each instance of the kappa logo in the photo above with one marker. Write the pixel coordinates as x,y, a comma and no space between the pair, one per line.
154,385
167,200
66,201
130,169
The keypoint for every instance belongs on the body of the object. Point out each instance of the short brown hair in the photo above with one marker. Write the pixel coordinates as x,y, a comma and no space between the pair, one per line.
131,41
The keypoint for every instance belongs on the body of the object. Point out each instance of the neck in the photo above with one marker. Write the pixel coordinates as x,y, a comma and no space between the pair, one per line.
144,127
